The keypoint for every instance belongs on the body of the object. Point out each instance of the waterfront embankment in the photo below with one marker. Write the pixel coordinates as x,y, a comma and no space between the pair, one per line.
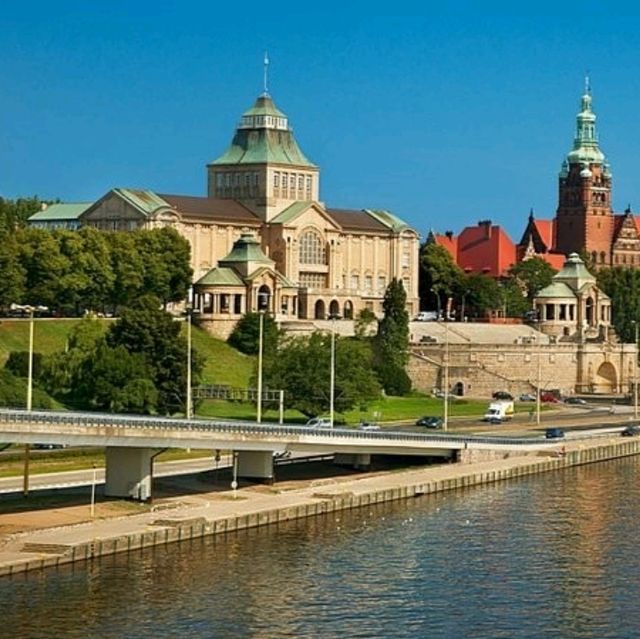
252,507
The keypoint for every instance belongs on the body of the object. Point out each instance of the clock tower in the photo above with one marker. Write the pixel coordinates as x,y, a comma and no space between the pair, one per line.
584,218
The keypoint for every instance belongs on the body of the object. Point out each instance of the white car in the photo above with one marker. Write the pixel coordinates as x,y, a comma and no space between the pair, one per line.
319,422
427,316
368,426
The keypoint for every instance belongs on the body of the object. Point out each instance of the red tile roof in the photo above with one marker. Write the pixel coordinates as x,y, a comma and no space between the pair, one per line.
448,241
546,230
486,248
556,260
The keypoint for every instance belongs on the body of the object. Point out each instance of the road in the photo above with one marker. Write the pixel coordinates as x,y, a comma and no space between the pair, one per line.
581,419
75,478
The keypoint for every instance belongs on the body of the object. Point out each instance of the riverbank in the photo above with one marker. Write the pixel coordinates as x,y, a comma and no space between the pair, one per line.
214,513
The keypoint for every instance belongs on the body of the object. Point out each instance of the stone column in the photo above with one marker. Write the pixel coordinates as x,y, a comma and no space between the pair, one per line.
128,472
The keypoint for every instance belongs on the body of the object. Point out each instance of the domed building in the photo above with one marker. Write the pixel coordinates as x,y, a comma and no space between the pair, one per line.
262,239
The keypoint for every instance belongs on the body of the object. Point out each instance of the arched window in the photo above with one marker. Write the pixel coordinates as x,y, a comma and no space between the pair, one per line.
312,248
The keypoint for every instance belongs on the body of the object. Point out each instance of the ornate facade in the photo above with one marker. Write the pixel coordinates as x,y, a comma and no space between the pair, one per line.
585,222
264,196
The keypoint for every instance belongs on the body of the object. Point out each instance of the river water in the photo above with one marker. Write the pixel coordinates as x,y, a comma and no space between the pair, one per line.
554,555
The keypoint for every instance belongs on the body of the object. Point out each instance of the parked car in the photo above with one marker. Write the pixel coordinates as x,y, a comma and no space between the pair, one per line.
554,433
319,422
427,316
502,395
368,426
430,421
575,400
550,398
527,397
632,430
47,446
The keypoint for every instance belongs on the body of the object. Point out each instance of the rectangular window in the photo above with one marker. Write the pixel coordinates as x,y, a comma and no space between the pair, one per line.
382,284
368,284
255,179
227,179
300,182
276,179
247,179
292,181
308,187
313,280
355,281
219,180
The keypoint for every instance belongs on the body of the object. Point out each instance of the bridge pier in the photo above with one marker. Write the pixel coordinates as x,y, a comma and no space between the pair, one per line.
255,464
128,472
359,461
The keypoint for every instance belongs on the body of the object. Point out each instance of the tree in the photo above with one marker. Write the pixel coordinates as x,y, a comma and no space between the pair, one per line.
127,267
622,285
166,256
62,371
13,280
44,265
245,335
14,213
366,318
117,380
146,329
302,369
392,341
439,275
532,276
483,294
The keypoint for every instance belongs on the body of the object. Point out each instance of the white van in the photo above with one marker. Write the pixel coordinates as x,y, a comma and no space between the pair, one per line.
499,412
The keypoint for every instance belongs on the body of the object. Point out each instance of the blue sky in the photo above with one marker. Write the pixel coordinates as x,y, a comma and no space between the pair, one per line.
445,116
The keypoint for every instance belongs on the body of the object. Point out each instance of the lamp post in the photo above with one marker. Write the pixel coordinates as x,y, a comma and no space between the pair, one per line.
445,419
189,391
332,372
260,349
27,447
635,373
539,380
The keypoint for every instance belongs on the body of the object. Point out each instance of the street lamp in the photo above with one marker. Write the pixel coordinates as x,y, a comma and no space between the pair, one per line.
27,447
539,380
260,349
445,420
332,383
635,372
190,312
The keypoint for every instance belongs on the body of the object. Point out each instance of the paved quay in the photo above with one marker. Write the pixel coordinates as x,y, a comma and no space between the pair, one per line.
183,518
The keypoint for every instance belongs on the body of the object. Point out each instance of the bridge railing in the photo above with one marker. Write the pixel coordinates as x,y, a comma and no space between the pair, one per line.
97,420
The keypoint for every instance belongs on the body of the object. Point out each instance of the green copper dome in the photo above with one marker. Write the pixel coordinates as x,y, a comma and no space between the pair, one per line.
264,137
585,145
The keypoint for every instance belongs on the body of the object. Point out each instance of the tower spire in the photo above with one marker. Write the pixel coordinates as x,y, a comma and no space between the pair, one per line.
587,84
266,73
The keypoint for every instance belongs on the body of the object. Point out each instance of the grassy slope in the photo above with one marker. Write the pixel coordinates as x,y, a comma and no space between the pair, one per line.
224,365
48,336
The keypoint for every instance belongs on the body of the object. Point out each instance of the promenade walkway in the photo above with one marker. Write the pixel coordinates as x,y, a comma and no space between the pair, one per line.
53,534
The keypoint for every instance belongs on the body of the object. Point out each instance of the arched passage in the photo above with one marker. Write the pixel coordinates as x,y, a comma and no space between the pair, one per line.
334,308
458,389
348,310
606,380
320,312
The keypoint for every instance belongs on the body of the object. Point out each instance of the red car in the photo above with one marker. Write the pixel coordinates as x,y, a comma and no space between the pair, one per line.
549,397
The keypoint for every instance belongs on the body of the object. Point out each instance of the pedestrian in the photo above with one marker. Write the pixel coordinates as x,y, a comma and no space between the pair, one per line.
531,414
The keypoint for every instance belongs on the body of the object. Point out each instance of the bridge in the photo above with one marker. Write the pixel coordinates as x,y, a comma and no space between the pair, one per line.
132,441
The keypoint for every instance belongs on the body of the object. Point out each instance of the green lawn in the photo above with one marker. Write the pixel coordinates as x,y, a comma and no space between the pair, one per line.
388,409
48,335
224,365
